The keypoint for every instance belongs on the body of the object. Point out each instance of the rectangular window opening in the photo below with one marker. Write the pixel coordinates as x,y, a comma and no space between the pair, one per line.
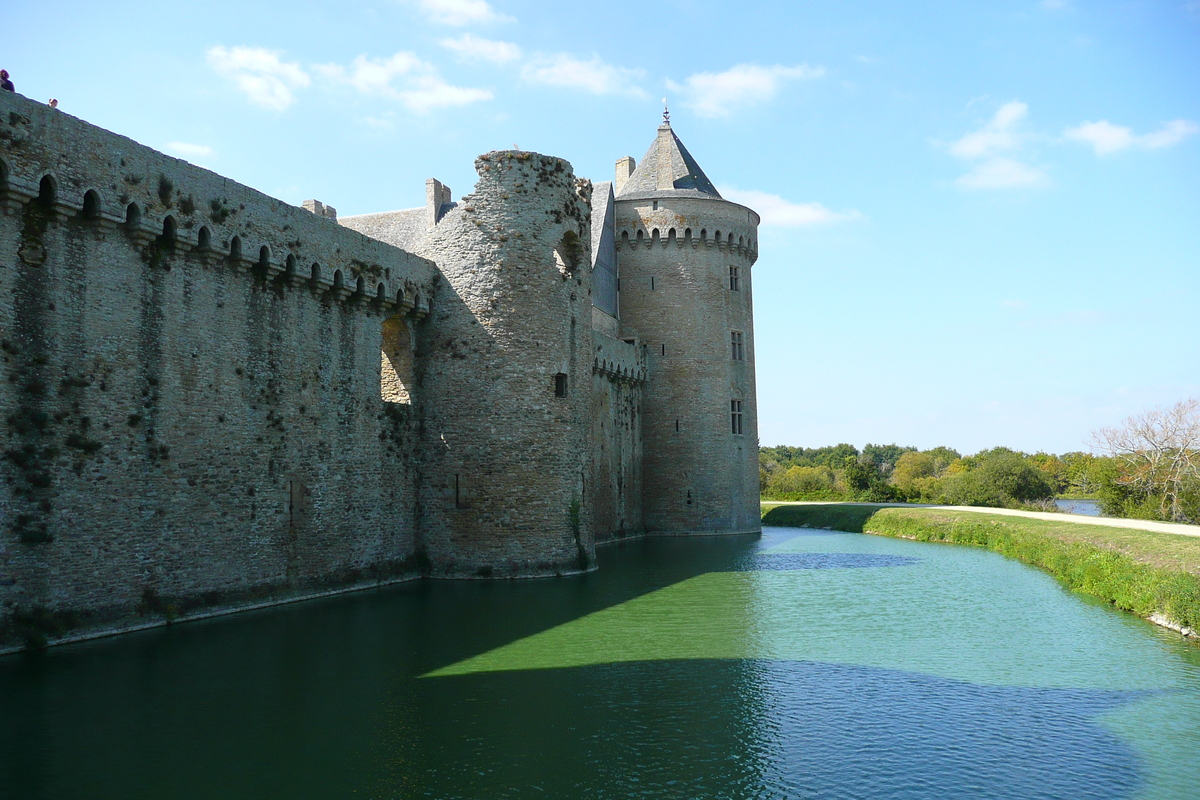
560,385
734,281
735,415
737,345
677,426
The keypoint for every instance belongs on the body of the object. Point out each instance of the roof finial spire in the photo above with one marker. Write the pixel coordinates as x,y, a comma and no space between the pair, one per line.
666,113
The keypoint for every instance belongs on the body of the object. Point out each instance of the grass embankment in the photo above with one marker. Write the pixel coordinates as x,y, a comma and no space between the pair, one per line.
1153,575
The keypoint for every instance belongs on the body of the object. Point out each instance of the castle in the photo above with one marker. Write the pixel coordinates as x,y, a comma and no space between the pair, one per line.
215,400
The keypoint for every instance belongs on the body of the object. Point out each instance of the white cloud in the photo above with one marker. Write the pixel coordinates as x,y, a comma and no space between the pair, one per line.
1002,173
997,135
718,94
260,74
777,212
188,150
993,146
1105,138
460,12
595,76
405,78
475,48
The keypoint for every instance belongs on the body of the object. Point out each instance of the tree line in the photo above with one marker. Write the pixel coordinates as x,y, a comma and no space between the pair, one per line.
1146,468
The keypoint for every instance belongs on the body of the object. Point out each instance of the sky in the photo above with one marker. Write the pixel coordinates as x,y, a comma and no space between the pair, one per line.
980,221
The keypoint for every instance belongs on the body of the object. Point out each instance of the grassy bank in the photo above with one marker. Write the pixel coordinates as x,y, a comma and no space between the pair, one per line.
1147,573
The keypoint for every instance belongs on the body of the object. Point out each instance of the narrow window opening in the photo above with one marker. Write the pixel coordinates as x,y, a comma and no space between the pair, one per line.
677,426
736,342
47,191
652,283
734,280
396,370
656,205
735,415
560,384
91,205
295,502
664,348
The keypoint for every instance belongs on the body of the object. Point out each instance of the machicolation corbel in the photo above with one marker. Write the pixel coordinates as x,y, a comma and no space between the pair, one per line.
16,192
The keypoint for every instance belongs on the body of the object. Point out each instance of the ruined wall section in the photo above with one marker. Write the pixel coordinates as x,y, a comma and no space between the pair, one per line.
191,405
508,354
618,377
686,292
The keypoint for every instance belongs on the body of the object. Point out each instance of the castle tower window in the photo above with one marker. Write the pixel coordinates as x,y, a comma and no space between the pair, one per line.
735,416
736,343
396,371
734,279
560,384
655,205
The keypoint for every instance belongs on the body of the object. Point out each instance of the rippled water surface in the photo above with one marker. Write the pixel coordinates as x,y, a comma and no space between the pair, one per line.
800,665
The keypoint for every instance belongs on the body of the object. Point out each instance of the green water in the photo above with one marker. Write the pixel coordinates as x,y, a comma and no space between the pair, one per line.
800,664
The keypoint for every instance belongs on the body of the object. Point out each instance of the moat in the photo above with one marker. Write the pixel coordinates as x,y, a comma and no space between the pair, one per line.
799,664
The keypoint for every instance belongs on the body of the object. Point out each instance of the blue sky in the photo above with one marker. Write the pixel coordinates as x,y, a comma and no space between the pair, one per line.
981,221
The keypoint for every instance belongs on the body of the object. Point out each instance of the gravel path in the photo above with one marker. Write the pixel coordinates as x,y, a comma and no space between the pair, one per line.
1142,524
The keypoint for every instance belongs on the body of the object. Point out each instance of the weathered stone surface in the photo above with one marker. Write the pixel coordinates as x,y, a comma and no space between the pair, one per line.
214,399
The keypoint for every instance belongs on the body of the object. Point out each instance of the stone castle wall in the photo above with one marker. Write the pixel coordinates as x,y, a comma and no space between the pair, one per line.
675,255
618,378
215,399
192,399
508,354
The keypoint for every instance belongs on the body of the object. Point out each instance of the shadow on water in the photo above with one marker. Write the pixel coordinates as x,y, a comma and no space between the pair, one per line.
325,700
747,729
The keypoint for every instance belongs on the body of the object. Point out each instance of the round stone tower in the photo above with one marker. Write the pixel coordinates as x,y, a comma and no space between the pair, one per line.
684,255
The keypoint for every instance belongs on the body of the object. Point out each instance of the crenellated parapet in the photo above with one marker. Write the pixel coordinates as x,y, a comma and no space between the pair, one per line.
698,224
619,360
82,175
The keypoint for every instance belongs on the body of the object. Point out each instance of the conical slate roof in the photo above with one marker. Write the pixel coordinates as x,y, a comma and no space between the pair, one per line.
667,169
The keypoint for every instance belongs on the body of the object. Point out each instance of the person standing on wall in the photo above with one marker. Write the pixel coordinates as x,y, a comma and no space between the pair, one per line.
5,83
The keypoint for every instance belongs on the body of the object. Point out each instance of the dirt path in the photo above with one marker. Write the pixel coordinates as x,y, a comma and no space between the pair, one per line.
1141,524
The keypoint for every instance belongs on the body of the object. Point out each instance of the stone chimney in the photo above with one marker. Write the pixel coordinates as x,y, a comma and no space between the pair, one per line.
437,199
625,168
320,209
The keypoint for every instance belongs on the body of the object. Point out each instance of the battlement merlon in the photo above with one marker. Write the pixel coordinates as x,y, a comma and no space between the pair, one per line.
115,183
